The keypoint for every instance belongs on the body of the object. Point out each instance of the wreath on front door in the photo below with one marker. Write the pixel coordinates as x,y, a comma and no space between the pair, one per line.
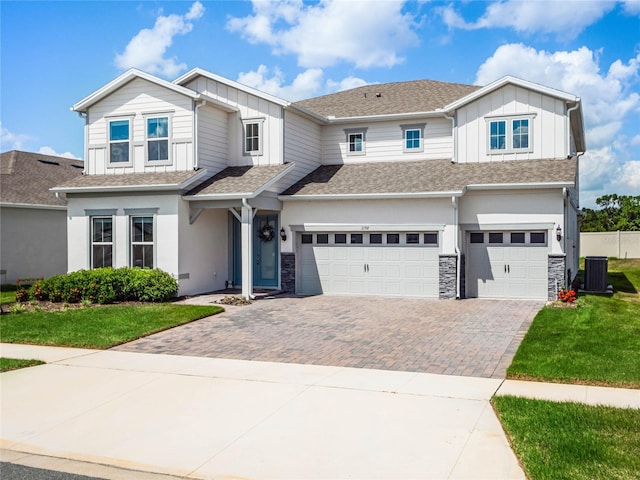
266,233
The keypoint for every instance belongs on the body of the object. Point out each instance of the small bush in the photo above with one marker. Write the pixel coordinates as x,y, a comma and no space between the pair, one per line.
106,285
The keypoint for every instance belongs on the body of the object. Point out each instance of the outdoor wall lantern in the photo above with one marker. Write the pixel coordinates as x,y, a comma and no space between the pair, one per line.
283,235
558,233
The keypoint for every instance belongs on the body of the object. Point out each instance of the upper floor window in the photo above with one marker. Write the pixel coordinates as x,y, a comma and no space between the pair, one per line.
253,137
119,141
509,135
158,139
356,141
412,138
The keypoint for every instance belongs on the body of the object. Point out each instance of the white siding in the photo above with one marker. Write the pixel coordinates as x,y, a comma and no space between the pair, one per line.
250,107
213,133
384,142
136,99
549,136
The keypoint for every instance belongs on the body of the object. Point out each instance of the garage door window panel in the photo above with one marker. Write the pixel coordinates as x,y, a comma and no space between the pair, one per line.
375,238
539,238
495,237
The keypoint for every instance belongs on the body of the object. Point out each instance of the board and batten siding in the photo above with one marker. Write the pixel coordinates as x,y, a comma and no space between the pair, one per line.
136,100
549,128
213,133
384,142
250,107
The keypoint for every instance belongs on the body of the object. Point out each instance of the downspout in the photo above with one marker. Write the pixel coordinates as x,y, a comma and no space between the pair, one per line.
565,203
456,240
453,136
569,110
84,115
245,204
195,132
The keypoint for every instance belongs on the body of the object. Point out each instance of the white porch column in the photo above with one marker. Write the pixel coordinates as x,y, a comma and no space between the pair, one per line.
246,234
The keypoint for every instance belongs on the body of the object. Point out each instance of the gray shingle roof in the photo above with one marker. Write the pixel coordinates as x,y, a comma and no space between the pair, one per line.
26,177
388,98
170,179
429,176
239,180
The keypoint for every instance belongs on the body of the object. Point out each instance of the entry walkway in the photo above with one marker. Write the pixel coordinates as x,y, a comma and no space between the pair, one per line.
200,417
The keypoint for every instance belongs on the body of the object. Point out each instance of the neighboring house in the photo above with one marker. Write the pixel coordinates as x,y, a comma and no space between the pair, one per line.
419,188
33,220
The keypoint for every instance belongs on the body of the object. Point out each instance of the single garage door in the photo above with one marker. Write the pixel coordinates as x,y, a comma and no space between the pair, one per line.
507,265
356,263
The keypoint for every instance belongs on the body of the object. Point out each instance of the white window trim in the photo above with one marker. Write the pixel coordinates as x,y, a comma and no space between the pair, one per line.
249,121
508,119
169,118
406,128
92,242
351,131
128,118
137,214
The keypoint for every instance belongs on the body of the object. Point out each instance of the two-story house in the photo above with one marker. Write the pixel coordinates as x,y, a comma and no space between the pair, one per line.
420,188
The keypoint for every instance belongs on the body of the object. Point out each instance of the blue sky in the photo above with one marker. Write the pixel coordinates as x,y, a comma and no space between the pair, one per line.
55,53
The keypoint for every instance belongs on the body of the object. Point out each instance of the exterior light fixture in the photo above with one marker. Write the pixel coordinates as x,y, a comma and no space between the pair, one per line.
558,233
283,234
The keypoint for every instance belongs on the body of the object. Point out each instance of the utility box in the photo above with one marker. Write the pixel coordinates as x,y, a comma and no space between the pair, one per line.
595,274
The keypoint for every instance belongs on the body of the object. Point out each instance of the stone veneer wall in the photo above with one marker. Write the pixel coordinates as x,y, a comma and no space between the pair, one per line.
447,277
288,272
556,275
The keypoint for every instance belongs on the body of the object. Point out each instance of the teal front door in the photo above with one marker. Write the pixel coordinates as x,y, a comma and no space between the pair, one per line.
265,250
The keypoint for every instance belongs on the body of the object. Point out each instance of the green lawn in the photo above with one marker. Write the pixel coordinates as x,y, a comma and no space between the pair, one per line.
571,441
7,294
98,327
597,343
7,364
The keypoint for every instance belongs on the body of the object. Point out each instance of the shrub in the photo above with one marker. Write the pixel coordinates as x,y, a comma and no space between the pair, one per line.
106,285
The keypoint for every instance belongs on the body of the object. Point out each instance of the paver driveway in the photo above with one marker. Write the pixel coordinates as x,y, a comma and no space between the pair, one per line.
469,337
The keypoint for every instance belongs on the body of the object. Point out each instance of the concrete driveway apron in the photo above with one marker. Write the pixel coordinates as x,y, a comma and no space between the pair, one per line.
471,337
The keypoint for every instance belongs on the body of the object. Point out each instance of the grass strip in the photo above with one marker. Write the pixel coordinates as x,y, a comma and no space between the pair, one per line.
572,441
98,327
8,364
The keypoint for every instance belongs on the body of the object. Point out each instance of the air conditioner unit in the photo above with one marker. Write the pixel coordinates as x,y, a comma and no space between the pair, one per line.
595,274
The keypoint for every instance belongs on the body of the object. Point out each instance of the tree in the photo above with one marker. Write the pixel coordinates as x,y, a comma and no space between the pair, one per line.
616,212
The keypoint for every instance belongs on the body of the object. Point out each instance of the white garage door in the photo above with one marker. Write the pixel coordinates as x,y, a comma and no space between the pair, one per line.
386,264
507,265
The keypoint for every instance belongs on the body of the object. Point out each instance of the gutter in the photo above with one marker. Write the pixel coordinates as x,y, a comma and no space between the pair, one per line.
371,196
382,117
38,206
516,186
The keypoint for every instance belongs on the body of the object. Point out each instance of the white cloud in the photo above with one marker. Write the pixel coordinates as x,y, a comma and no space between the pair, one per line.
147,49
361,32
632,7
565,19
12,141
51,151
631,175
306,84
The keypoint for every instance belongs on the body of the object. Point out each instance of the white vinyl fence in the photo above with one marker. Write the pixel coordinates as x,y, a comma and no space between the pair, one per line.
610,244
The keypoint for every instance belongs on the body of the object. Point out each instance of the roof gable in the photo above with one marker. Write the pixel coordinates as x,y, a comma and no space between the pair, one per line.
124,79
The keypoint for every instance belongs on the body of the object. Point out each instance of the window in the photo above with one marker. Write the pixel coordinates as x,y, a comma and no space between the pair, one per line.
340,238
393,238
253,137
119,141
142,242
322,238
517,237
307,238
375,238
431,239
101,242
495,237
509,135
412,136
356,140
356,238
413,238
538,237
476,237
158,139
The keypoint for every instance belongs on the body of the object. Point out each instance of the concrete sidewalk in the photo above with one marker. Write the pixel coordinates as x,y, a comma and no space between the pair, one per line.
218,418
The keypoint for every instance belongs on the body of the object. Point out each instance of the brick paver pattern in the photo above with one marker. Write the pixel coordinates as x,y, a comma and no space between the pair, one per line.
473,337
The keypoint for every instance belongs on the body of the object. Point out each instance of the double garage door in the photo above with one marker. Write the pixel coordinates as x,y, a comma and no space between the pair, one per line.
507,265
356,263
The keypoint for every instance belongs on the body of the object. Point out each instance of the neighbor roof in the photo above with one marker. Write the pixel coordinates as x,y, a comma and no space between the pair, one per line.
238,182
429,177
388,99
131,181
27,177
